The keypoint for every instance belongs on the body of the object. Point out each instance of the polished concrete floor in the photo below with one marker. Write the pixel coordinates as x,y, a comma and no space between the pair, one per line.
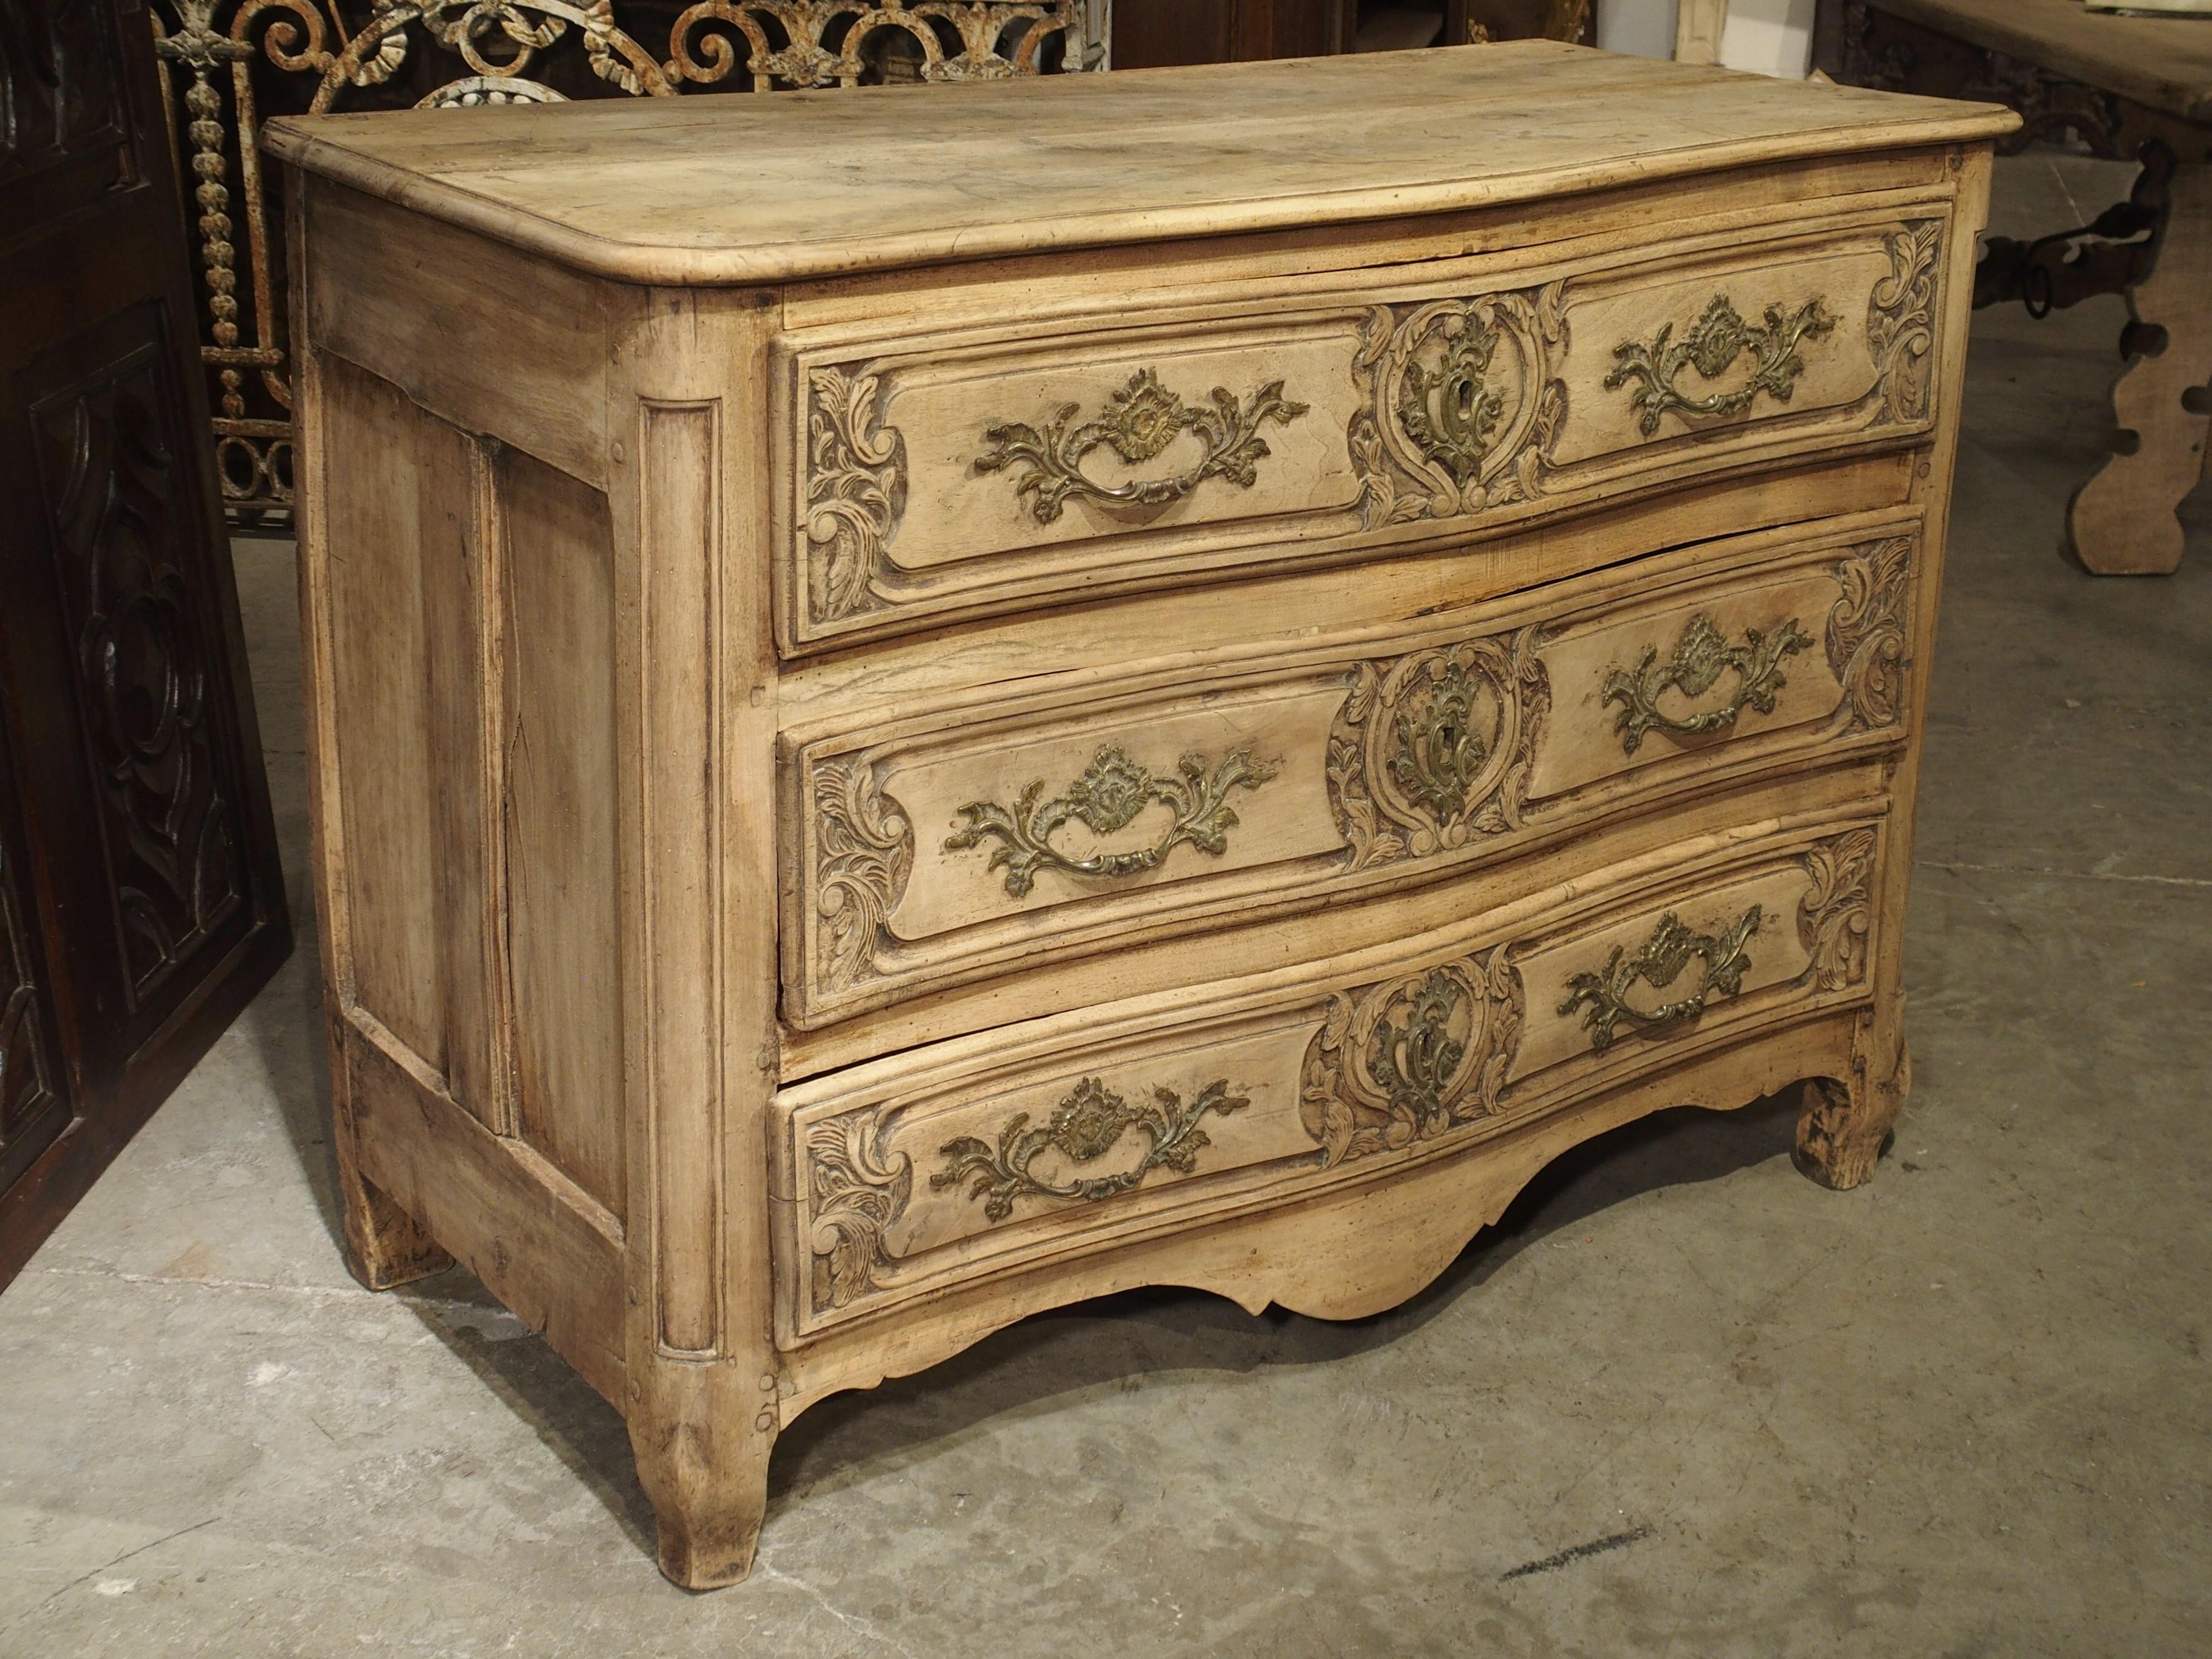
1681,1402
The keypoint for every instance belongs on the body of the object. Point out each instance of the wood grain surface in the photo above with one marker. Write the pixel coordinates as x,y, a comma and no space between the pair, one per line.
1128,157
792,908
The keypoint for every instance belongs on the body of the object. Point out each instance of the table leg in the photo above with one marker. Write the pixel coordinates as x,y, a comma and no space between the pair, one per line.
1843,1123
2123,520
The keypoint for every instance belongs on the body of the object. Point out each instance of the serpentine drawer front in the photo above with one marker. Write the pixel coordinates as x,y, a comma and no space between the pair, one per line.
981,1158
1163,679
955,842
934,474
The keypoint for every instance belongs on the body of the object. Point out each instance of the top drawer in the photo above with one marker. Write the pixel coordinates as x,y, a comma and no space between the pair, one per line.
930,476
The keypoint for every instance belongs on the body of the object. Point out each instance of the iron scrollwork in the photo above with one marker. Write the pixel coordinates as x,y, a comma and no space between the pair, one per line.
1084,1126
1140,419
1658,963
229,63
1109,796
1700,657
1712,345
1410,1060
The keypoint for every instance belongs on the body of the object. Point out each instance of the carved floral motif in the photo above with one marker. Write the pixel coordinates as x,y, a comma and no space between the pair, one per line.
1901,320
1836,916
858,1189
122,518
1393,1065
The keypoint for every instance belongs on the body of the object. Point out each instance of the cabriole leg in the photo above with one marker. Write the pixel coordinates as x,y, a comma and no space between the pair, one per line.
1843,1124
702,1435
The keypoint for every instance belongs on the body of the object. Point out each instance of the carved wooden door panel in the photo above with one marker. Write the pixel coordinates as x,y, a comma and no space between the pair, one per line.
141,905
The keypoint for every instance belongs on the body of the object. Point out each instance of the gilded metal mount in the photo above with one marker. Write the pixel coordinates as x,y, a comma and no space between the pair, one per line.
1139,420
1112,791
1086,1126
1711,346
1700,657
1658,963
1451,412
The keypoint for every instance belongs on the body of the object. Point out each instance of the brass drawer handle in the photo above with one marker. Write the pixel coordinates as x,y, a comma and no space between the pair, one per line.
1715,341
1108,797
1658,963
1700,657
1085,1127
1139,420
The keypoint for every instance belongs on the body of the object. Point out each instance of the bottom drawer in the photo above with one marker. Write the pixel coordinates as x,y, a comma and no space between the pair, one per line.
1078,1133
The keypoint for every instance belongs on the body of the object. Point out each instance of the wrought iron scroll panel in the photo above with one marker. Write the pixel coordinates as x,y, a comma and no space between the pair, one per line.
232,64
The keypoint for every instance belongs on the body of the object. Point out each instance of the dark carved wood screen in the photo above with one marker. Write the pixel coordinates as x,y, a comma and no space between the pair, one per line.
141,904
231,65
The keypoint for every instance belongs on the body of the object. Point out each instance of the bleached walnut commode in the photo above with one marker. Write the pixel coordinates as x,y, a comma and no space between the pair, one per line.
931,702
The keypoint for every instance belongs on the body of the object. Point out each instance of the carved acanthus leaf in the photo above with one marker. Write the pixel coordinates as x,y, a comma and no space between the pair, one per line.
1901,320
863,854
857,1189
1866,635
1836,913
855,492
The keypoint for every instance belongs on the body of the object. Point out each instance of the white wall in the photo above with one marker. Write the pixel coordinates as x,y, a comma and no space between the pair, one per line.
1772,37
1645,27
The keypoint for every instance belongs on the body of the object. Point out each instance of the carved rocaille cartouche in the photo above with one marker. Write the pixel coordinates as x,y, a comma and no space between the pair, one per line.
986,742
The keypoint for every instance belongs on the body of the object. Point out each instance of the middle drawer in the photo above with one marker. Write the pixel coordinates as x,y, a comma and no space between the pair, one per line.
986,832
